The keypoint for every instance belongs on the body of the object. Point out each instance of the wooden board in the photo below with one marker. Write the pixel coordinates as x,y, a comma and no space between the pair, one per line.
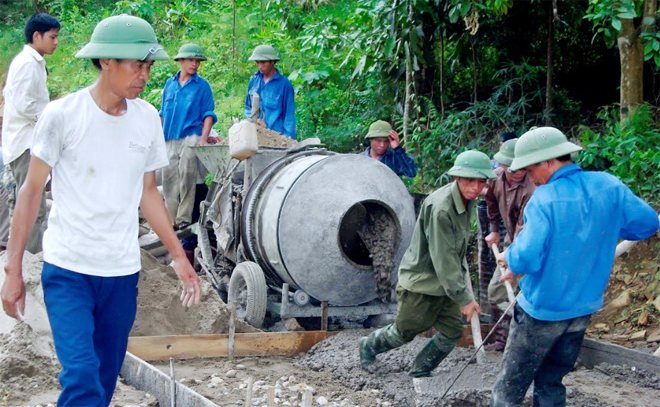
207,346
594,353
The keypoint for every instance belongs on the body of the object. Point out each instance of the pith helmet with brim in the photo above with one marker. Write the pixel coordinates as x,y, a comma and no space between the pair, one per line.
378,129
506,153
190,51
541,144
472,164
264,53
123,37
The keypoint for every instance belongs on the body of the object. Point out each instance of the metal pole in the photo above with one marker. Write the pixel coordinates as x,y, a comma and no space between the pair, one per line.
172,384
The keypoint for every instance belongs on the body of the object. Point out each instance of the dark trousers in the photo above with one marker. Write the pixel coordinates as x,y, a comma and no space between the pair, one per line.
539,351
90,318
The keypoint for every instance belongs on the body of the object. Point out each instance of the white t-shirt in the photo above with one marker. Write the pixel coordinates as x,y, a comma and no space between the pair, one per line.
26,96
98,162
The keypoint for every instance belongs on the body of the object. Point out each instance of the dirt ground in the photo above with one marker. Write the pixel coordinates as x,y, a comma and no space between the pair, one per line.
28,364
332,369
635,285
28,367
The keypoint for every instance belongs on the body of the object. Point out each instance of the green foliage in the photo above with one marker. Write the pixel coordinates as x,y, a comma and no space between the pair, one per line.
631,151
606,16
347,61
436,140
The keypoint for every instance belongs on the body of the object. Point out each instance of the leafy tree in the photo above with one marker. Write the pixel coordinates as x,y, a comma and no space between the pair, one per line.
632,25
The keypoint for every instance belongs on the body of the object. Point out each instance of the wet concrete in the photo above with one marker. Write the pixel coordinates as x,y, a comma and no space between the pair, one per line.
605,386
380,235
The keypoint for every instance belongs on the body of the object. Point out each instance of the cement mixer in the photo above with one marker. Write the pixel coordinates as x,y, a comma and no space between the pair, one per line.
303,231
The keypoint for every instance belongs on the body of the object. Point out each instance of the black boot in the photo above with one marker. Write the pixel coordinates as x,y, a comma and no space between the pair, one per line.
435,351
379,341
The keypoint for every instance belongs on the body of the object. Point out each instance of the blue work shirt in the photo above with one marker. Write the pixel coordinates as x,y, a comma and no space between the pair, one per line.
275,102
185,108
397,159
566,249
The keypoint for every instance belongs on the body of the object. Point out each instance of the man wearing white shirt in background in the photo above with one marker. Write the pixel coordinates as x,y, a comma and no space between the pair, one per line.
26,96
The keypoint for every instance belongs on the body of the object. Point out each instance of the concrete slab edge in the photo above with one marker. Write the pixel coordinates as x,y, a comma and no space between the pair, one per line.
594,353
143,376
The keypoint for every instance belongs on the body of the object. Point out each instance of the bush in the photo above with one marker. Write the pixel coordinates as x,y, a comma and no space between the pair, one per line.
631,150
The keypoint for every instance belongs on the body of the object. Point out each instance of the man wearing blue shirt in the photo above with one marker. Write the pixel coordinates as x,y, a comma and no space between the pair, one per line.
187,116
573,222
276,108
384,146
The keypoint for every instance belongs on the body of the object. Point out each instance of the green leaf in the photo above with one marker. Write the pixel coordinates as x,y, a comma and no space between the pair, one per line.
629,14
616,24
359,67
389,45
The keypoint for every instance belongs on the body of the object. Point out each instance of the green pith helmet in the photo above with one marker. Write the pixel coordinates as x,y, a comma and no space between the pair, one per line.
378,129
264,53
123,37
505,155
190,51
541,144
472,164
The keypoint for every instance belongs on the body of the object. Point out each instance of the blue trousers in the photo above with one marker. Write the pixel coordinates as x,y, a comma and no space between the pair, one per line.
90,318
539,351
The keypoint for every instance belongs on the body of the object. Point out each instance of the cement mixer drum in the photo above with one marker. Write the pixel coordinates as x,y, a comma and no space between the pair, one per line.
305,218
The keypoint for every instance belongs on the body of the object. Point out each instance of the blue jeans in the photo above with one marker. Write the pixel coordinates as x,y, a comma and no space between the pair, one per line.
90,318
539,351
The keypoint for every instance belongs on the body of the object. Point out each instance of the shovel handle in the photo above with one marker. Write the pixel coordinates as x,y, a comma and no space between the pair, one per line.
507,284
475,323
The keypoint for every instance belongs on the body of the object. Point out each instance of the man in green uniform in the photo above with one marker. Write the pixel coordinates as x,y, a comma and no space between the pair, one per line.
432,290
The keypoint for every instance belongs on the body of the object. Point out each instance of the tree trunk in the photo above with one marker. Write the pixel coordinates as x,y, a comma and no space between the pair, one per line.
442,72
548,83
631,55
474,72
406,105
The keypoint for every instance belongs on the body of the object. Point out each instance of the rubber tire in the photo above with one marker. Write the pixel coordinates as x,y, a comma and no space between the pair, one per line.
250,305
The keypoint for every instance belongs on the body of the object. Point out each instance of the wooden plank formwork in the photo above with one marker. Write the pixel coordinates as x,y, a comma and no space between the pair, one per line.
209,346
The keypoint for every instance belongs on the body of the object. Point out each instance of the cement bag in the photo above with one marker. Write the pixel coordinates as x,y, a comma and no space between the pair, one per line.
243,141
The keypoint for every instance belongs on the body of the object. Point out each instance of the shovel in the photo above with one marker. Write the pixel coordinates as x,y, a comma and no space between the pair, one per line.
475,324
507,284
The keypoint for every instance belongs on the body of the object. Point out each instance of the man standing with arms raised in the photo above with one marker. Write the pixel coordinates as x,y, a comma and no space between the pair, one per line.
103,146
26,96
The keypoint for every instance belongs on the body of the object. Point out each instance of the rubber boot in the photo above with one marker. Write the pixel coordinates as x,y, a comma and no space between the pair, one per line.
435,351
379,341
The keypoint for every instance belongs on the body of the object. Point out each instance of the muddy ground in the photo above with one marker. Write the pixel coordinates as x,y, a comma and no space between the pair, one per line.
332,369
28,367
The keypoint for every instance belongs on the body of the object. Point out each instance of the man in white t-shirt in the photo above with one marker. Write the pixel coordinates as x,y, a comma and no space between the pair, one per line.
26,96
4,208
103,146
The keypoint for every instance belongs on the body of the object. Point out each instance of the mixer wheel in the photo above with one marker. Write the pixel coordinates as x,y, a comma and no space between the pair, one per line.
247,288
